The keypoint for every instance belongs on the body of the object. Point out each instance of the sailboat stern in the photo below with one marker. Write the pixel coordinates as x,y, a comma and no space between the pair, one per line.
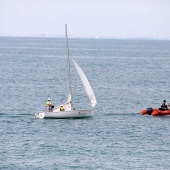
40,115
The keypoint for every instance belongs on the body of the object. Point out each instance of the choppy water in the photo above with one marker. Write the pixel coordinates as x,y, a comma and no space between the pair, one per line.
126,75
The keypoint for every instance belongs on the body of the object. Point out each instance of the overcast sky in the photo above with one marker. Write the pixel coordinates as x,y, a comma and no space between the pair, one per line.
86,18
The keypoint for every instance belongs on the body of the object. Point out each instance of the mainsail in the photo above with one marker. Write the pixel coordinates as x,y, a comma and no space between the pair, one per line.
86,84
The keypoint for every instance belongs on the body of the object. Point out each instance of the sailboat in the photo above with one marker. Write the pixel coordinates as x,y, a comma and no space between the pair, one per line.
69,111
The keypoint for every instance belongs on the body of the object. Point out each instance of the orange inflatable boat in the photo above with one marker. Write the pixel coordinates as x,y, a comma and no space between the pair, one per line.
155,112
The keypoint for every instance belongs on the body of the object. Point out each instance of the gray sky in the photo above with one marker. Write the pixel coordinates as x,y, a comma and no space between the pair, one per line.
86,18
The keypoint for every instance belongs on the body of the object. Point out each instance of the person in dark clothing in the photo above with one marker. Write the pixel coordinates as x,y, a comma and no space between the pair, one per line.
164,105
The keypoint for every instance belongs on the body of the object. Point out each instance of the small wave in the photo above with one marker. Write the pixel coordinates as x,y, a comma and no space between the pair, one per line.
2,114
120,114
15,115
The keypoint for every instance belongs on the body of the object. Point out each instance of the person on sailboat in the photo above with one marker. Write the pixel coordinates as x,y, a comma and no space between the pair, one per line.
48,105
62,108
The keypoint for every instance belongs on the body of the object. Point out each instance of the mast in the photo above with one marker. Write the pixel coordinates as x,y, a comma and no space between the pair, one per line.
69,70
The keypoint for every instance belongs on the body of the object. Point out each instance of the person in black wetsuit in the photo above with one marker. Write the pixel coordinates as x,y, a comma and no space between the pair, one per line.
164,105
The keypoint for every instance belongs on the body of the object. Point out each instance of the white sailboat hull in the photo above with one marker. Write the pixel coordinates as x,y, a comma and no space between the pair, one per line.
66,114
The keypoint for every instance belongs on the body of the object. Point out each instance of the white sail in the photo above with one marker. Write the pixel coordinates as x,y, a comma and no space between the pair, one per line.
86,85
68,106
69,98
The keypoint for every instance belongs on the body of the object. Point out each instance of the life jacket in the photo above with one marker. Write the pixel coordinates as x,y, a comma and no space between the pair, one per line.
48,104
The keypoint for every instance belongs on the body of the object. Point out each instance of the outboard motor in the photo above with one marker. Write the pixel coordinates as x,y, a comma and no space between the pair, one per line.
149,111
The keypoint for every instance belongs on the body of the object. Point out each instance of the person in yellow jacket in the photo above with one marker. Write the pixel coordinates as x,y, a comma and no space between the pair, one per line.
49,105
62,108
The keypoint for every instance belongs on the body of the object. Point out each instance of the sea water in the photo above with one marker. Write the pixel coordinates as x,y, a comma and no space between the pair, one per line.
126,76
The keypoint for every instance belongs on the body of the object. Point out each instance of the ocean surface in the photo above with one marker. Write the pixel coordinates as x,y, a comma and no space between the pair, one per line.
126,76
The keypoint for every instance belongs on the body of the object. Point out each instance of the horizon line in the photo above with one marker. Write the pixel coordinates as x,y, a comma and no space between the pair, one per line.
88,37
